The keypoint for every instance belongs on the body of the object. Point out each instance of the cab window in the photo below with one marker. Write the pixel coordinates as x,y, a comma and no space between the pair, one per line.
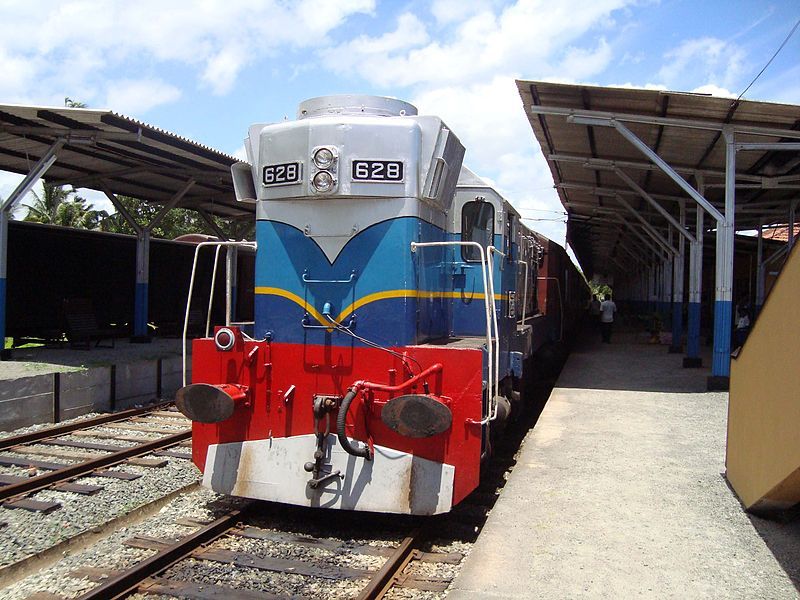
477,225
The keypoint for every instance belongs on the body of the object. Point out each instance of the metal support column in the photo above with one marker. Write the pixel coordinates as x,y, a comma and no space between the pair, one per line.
142,285
723,293
6,208
692,358
677,287
669,268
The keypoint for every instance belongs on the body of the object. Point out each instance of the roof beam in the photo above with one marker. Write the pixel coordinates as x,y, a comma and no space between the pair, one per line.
670,219
610,164
603,118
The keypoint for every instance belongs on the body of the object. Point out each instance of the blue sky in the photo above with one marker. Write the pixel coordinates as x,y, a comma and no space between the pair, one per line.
207,70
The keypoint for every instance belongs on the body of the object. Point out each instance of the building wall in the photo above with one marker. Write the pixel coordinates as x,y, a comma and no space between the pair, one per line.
763,451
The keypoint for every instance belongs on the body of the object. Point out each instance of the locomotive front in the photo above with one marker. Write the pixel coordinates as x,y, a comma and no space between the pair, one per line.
349,394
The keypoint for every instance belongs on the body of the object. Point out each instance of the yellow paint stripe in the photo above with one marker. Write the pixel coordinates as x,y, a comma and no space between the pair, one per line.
370,298
273,291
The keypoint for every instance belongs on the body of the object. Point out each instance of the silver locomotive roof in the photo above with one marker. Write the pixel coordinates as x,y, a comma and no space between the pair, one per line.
355,104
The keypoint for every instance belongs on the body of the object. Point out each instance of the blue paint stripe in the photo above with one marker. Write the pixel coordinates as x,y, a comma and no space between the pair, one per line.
140,310
693,335
723,320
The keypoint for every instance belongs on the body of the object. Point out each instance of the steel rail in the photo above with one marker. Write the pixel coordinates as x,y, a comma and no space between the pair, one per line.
43,434
126,582
84,468
384,578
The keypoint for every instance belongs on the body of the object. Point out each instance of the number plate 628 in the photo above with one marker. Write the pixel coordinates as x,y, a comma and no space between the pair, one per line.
282,174
377,170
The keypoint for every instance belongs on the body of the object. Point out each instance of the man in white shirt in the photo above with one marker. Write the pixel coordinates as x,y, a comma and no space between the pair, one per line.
607,310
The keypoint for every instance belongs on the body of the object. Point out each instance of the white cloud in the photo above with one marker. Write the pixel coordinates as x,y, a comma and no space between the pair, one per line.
49,50
527,36
714,90
702,61
136,97
452,11
581,63
410,33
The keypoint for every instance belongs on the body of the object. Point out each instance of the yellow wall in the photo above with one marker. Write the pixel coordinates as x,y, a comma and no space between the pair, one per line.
763,455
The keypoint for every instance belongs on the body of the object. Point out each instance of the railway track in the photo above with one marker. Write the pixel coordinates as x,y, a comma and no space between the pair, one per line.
214,547
211,542
58,456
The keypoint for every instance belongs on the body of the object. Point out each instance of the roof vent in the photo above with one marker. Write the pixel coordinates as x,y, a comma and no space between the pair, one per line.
352,104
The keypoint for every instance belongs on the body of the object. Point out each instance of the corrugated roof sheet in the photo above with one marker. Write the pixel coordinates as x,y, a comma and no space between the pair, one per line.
131,157
582,158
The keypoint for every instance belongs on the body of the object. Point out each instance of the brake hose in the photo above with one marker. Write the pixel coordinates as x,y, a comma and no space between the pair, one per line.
358,449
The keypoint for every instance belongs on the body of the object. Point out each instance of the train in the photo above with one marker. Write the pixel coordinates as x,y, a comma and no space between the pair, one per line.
377,372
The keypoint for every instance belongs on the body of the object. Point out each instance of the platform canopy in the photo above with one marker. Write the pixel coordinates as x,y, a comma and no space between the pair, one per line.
109,152
604,179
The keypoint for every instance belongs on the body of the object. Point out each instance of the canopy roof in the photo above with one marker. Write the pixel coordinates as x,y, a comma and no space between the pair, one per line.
104,150
597,171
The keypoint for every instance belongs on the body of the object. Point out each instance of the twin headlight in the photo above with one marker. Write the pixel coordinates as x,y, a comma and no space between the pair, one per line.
325,160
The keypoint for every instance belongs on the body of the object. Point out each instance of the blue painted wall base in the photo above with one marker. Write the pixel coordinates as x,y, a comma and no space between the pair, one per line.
692,359
140,311
723,321
677,327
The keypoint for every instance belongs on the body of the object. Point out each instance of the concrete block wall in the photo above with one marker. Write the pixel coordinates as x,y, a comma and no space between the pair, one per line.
136,383
53,397
83,392
25,401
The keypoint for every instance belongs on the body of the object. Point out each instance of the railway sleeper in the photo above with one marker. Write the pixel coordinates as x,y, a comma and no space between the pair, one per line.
280,565
205,591
312,542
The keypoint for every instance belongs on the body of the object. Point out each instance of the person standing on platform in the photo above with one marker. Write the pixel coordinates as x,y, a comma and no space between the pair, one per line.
607,311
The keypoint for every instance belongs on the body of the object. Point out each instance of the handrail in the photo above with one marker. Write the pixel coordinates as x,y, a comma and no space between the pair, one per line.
349,280
199,247
525,296
488,301
211,291
490,252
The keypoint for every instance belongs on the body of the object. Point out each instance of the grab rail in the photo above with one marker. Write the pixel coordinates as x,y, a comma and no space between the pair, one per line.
488,301
199,247
353,275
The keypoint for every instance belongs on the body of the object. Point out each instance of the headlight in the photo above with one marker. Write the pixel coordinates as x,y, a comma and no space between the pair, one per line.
224,339
324,158
323,181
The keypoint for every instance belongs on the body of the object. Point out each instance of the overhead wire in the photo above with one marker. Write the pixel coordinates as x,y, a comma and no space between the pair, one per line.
769,62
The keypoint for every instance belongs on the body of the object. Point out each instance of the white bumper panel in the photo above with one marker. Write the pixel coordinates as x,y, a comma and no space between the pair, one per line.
393,481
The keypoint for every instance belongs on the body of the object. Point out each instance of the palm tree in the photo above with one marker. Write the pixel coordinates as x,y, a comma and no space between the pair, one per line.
45,207
58,205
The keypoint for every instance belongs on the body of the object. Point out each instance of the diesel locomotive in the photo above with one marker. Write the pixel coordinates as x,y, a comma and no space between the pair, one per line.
399,301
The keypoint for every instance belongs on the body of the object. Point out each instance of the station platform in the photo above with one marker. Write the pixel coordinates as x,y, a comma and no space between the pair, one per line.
47,385
619,492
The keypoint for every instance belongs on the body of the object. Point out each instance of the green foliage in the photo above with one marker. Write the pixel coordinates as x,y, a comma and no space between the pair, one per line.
70,103
600,289
58,205
176,222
